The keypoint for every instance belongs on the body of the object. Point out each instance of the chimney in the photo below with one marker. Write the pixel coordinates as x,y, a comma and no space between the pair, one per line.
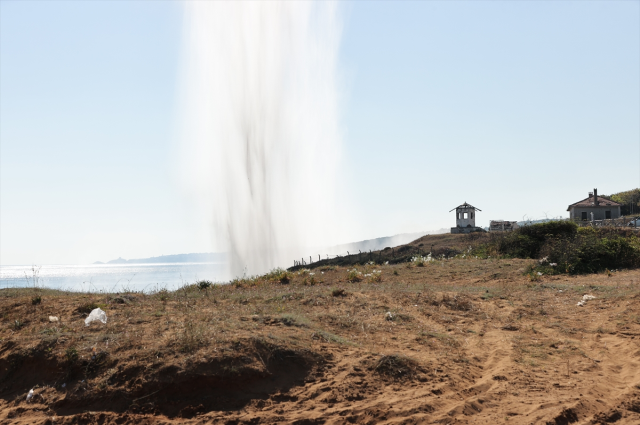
595,197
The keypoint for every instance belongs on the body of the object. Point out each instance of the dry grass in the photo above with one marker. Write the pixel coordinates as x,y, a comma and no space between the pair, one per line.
450,316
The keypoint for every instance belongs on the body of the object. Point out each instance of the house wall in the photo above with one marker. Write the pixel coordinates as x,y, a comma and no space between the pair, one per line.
598,212
462,222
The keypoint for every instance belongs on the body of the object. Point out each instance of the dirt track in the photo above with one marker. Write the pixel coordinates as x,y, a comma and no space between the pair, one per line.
465,341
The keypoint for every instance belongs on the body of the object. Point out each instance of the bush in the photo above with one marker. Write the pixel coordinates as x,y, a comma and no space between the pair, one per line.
354,275
589,252
541,231
565,248
279,275
420,261
374,276
204,284
527,241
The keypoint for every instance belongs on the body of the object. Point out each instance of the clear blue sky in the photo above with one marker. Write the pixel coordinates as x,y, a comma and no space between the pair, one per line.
518,108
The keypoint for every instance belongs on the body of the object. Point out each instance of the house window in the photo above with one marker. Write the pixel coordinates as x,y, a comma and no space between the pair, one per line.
607,215
584,215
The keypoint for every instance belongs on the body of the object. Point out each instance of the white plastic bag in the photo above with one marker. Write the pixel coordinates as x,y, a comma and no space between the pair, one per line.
584,300
96,314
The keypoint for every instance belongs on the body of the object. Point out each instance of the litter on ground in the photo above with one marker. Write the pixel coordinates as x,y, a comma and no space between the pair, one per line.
96,314
584,300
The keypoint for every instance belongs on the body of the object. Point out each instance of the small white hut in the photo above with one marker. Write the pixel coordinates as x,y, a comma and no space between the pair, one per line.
465,219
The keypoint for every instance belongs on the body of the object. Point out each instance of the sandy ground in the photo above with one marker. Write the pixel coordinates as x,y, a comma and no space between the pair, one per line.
462,341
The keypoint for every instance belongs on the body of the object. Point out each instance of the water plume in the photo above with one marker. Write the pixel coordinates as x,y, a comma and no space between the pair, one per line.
261,141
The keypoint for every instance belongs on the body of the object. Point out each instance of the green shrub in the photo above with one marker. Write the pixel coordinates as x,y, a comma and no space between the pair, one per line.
562,247
204,284
527,241
589,252
542,231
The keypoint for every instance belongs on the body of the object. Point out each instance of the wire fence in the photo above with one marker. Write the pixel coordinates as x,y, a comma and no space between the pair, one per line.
632,222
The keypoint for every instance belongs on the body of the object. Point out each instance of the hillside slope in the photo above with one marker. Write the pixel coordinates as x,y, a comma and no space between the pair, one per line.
464,341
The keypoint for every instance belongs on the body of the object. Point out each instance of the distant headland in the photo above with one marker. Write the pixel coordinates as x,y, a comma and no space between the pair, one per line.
206,257
220,257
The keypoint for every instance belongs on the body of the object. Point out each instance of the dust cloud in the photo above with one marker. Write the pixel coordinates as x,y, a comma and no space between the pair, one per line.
260,139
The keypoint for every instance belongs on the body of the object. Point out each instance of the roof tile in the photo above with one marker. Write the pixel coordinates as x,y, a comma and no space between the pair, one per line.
588,202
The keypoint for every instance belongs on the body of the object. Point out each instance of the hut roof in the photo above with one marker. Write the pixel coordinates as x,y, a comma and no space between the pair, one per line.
588,202
466,206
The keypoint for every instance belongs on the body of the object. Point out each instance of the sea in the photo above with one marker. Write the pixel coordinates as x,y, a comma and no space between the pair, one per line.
112,277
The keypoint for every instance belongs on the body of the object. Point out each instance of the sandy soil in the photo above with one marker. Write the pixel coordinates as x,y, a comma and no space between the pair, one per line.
461,341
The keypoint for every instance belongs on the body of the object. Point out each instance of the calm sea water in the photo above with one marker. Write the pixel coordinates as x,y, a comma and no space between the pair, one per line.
112,277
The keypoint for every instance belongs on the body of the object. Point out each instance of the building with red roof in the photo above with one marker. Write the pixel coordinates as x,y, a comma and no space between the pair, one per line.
594,208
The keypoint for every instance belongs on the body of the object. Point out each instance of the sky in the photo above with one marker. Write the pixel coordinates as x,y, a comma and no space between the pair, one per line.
519,108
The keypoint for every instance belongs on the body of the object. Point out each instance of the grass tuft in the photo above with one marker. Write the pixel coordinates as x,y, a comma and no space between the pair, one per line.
71,354
353,275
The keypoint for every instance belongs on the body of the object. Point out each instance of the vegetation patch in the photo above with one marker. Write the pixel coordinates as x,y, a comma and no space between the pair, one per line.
353,275
204,284
563,247
279,275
